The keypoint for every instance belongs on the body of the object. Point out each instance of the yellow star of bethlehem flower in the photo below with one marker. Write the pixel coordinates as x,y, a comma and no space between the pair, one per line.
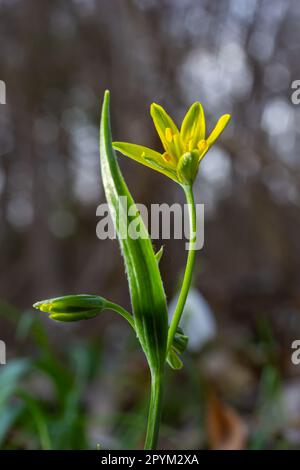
183,150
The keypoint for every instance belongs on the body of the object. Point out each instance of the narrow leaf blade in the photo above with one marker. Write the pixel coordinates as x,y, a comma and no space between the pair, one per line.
145,284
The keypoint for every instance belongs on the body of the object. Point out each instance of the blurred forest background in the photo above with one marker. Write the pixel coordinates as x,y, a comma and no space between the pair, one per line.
76,386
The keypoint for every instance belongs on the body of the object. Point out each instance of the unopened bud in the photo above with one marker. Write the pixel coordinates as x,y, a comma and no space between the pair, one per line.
72,307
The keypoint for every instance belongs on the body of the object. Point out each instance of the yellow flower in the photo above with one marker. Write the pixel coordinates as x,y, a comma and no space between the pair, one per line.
183,150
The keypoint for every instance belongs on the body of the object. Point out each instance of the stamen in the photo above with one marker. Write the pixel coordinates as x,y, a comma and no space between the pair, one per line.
169,134
166,157
202,145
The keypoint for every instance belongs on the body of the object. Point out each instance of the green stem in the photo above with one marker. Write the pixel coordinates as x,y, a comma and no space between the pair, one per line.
117,308
186,284
154,415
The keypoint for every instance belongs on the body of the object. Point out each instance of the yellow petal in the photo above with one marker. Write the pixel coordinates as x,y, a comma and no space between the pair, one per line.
178,146
203,147
168,134
219,127
193,126
165,127
147,157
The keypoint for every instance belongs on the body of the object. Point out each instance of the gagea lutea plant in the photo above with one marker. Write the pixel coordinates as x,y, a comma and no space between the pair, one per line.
162,342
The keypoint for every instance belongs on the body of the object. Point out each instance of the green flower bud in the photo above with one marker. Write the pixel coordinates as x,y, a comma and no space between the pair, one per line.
188,166
180,341
174,360
178,347
72,307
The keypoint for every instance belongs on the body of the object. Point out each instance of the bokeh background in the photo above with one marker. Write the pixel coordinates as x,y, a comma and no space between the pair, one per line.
78,386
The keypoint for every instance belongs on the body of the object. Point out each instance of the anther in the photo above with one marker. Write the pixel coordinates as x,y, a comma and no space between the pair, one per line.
168,134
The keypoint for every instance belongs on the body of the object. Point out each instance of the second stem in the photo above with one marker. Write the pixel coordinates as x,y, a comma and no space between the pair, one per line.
188,274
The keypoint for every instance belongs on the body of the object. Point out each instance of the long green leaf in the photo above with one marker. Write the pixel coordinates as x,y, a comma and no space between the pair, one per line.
146,288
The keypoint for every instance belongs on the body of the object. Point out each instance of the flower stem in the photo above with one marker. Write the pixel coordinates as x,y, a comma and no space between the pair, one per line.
186,284
117,308
154,416
155,408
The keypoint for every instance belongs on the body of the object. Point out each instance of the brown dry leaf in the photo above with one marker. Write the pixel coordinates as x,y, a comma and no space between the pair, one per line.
226,429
